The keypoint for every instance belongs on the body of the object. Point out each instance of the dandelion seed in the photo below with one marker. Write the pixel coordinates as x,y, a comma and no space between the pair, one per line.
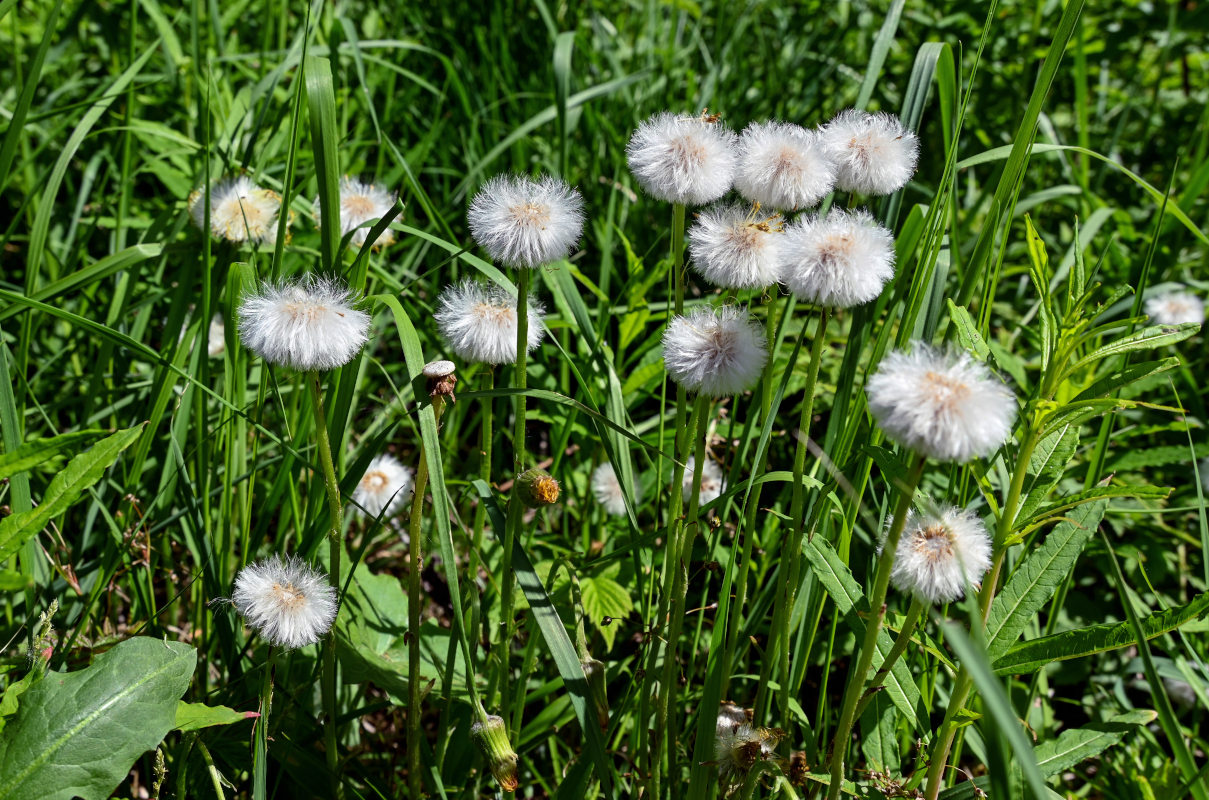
735,248
360,203
713,482
938,555
686,160
783,166
839,260
522,222
873,153
944,405
285,600
716,353
385,487
606,487
478,322
240,211
309,324
1173,308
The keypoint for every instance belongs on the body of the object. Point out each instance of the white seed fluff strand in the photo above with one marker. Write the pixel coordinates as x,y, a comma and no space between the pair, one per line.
735,248
309,324
716,353
874,154
938,556
783,166
839,260
478,322
522,222
286,601
683,159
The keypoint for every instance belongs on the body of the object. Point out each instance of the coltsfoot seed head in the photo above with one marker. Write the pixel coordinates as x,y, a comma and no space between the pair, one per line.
714,352
783,166
938,555
307,324
478,322
839,260
361,203
713,482
874,154
523,222
385,488
689,160
240,211
606,488
941,404
285,600
1173,308
736,248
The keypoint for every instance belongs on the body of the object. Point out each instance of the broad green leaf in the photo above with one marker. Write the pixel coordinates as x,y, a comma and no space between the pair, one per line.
1047,466
81,472
1026,657
1140,492
194,716
1120,378
1036,579
32,453
604,597
77,734
1079,744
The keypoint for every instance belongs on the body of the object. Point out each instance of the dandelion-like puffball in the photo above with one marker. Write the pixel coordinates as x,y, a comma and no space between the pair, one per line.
217,344
738,746
938,556
361,203
873,153
606,487
944,405
839,260
478,322
384,488
522,222
240,211
1173,308
287,601
686,160
713,482
717,353
783,166
735,248
309,324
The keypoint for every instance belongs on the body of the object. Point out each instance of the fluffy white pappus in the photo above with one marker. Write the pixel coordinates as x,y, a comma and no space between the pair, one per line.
478,322
308,324
285,600
606,488
782,165
683,159
716,353
839,260
873,153
1173,308
522,222
942,404
360,203
738,746
240,211
735,248
217,344
939,555
385,487
713,482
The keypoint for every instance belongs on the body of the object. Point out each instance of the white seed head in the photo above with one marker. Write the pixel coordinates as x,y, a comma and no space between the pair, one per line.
606,487
738,746
713,482
522,222
307,324
716,353
678,159
385,487
939,555
1172,308
944,405
478,322
873,153
286,601
839,260
240,211
217,344
361,203
735,248
782,165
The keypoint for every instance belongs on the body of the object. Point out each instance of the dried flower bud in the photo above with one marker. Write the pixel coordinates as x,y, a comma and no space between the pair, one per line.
597,692
492,739
537,488
441,378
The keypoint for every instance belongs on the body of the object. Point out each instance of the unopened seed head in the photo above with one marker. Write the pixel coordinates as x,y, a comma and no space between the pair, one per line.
307,324
939,554
783,166
361,203
838,260
523,222
716,353
689,160
478,322
874,154
736,247
385,488
492,739
286,601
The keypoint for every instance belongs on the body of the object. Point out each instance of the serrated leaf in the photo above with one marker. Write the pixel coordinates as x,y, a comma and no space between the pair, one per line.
603,597
77,734
1080,744
80,473
194,716
31,454
1036,579
1047,466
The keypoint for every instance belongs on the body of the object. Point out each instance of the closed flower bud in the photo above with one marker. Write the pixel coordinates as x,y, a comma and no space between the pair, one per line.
537,488
492,738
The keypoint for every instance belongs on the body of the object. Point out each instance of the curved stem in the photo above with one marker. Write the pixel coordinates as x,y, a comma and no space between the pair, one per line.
873,626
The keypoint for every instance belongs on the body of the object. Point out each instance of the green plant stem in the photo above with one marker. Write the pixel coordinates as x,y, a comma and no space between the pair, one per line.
873,626
414,566
901,643
520,380
260,761
335,517
486,436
